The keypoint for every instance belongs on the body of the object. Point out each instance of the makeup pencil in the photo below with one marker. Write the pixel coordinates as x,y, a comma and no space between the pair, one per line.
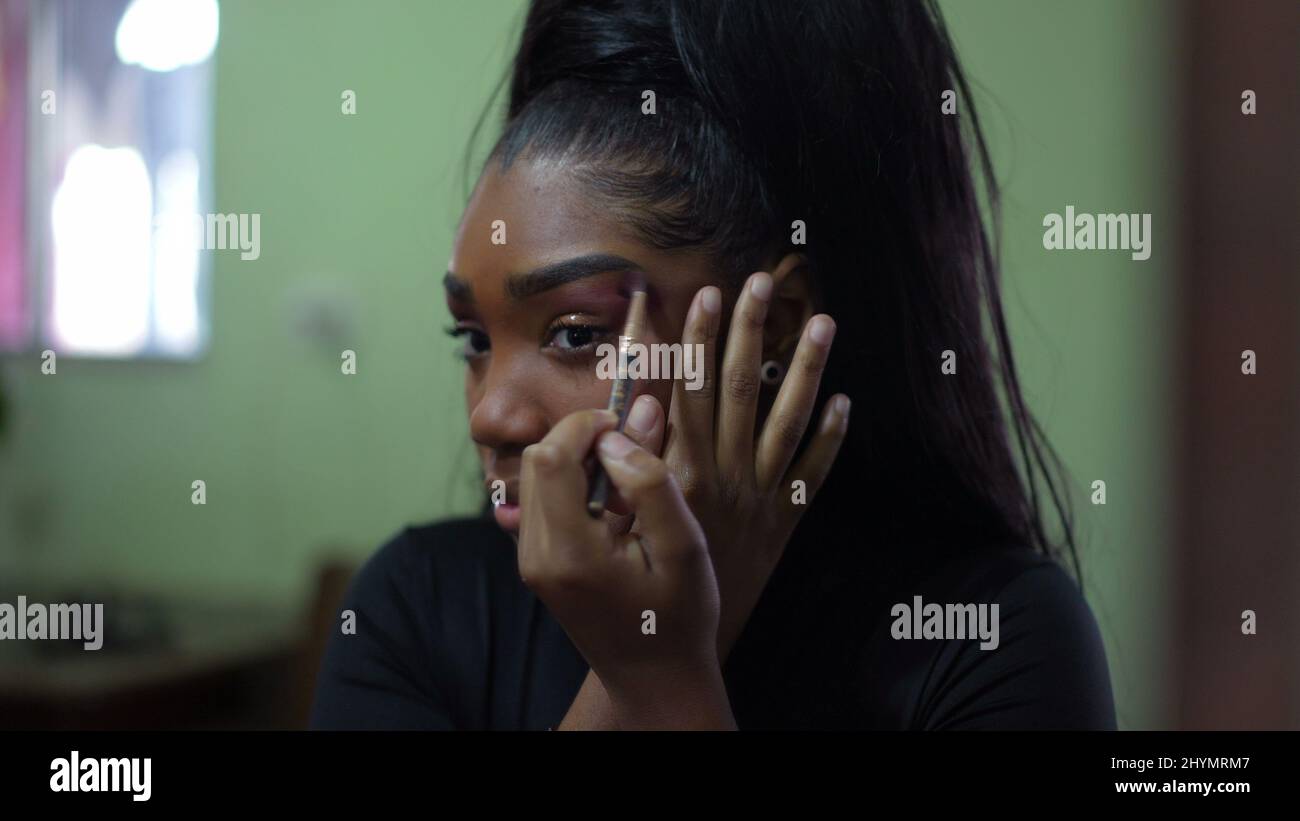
620,397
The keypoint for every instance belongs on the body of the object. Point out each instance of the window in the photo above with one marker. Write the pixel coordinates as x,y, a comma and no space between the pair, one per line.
106,148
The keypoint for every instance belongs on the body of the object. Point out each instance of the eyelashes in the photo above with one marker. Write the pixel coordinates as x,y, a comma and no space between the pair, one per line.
569,338
475,342
574,336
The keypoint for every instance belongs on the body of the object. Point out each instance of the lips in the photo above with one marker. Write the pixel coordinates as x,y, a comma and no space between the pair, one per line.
508,517
506,513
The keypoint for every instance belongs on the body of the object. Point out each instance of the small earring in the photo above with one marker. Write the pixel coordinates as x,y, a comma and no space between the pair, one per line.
773,372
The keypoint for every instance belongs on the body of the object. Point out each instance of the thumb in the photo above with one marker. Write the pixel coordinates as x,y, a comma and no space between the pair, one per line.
667,526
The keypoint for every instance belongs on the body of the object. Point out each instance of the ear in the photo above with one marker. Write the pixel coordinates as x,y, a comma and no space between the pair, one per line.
790,309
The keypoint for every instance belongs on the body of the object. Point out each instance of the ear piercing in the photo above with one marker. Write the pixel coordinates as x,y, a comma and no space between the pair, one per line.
772,373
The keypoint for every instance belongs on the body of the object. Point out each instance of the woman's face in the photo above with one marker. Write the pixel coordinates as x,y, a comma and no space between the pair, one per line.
531,310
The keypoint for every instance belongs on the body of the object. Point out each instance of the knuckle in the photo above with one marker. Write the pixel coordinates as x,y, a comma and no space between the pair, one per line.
709,334
754,314
704,329
812,364
656,473
529,458
706,387
742,386
594,418
730,489
692,484
641,439
787,432
541,456
544,461
653,476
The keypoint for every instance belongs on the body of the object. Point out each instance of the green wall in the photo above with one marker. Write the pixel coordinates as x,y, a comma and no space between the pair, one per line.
357,219
1077,100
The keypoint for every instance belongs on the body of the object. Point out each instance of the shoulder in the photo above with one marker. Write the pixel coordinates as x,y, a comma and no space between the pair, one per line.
1018,578
422,608
1040,663
437,577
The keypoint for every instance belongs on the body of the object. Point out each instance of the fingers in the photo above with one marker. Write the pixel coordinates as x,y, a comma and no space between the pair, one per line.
645,423
815,463
738,388
691,409
667,528
645,426
552,476
788,420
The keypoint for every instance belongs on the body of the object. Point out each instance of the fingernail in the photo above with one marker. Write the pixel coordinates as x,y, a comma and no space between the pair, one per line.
761,286
822,330
615,445
711,300
842,405
641,419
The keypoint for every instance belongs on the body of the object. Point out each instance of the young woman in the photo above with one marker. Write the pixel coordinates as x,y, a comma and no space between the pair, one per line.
783,179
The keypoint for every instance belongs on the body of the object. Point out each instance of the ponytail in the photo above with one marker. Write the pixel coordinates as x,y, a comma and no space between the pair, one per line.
828,114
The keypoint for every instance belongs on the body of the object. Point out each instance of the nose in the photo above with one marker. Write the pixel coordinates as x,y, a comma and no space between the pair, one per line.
507,415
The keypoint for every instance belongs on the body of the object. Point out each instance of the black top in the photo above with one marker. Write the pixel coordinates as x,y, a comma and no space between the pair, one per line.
448,637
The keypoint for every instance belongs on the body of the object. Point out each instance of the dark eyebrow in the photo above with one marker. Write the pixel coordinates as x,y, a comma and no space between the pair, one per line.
522,286
457,288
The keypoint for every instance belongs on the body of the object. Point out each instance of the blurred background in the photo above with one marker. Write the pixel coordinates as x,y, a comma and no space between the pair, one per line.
343,128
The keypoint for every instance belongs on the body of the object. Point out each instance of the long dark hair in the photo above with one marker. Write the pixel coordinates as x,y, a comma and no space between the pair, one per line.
829,113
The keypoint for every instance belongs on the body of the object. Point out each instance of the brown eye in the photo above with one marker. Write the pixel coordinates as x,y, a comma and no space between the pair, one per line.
571,338
571,334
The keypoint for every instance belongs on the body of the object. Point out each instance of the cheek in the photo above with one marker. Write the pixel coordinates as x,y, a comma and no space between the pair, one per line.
565,390
542,387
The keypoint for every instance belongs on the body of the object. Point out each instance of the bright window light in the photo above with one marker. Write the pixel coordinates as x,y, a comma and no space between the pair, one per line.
164,35
102,214
176,254
122,178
